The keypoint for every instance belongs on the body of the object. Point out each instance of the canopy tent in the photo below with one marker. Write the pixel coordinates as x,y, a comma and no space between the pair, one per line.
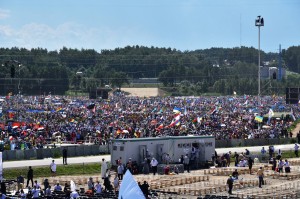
129,188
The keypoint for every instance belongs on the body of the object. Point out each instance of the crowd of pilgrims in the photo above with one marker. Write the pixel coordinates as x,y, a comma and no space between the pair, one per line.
271,155
34,121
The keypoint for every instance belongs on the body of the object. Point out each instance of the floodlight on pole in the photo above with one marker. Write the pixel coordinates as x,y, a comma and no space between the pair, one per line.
259,22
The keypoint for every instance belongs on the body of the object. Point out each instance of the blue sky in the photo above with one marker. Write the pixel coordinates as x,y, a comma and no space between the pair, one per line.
180,24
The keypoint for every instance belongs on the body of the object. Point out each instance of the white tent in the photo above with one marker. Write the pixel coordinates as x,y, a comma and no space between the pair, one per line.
129,188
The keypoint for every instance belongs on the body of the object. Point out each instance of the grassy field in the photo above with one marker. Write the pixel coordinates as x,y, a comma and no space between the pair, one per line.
44,171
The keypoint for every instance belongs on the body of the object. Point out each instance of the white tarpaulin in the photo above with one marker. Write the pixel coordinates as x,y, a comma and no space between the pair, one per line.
129,189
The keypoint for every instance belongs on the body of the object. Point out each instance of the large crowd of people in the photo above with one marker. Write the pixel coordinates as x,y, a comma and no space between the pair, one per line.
35,121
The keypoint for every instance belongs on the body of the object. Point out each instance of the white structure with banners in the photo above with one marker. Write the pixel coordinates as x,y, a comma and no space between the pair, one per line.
199,148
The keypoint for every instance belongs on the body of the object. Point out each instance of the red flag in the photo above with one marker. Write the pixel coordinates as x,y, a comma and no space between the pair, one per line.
18,124
11,115
160,127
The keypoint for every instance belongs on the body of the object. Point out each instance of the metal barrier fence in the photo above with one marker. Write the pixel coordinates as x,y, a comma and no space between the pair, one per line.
252,142
73,151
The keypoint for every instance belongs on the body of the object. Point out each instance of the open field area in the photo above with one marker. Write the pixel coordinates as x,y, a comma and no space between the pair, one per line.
143,92
202,182
209,182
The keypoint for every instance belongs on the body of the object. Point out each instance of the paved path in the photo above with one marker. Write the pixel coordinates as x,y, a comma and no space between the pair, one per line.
59,161
98,158
285,147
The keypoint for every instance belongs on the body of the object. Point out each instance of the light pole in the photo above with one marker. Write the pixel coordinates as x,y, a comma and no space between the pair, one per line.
78,81
259,22
20,68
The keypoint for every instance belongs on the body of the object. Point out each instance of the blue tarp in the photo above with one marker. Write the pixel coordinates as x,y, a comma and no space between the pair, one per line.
35,111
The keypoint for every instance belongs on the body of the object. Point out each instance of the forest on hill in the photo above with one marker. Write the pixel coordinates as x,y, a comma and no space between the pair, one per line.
215,70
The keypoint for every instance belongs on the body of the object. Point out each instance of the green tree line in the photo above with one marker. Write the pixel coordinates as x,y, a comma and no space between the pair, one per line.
215,70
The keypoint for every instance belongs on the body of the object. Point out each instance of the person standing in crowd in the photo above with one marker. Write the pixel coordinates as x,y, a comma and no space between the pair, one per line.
298,137
46,184
230,184
65,156
235,174
250,164
91,185
107,183
30,176
154,164
279,155
57,187
103,168
167,159
145,167
236,158
186,163
116,184
74,194
247,152
98,188
35,192
274,164
120,171
280,166
271,151
228,156
119,161
296,148
53,168
37,185
67,190
20,182
287,167
22,195
145,189
263,151
260,174
48,192
129,165
181,159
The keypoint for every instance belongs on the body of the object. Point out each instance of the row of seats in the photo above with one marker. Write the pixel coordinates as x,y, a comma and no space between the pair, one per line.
62,195
218,197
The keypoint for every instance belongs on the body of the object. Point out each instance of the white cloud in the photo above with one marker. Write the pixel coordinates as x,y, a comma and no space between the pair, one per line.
4,13
6,31
71,35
